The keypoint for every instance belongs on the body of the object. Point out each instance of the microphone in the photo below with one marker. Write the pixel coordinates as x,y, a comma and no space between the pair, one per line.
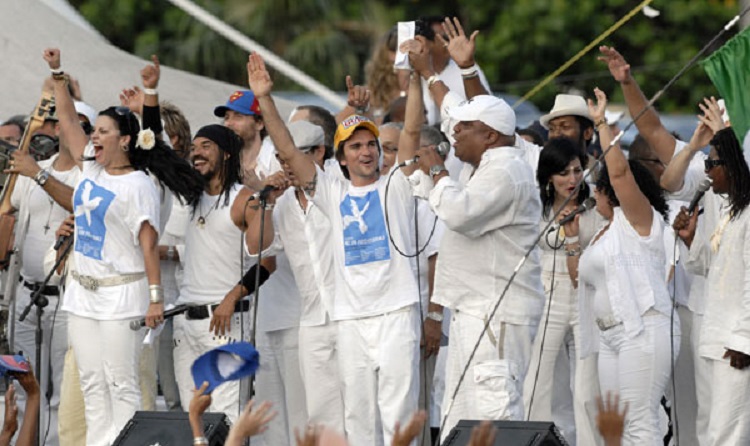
408,162
140,323
261,194
585,206
702,188
60,241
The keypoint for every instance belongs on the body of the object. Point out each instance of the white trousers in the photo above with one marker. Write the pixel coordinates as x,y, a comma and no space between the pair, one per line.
318,358
702,368
192,339
54,346
566,387
278,380
729,421
107,354
379,365
639,369
492,388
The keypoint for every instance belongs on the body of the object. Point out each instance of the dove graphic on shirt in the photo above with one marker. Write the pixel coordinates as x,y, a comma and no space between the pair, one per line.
88,204
357,216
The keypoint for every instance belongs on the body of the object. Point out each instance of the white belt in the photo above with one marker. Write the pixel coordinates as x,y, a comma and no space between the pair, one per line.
607,322
92,283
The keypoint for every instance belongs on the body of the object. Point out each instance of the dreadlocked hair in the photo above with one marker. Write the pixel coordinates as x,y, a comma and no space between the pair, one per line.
728,148
173,172
645,181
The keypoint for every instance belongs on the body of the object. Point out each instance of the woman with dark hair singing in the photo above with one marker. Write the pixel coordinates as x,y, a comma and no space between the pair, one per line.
117,277
624,304
725,333
547,389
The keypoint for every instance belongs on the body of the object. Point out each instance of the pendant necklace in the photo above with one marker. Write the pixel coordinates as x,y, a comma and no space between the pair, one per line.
201,217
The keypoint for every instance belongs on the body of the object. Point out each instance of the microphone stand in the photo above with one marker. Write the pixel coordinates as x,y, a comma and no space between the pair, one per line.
40,301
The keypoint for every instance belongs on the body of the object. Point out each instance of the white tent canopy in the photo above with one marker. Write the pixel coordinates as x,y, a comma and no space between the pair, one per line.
27,27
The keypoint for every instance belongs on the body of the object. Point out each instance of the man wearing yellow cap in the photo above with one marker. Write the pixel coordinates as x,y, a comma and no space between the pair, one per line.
376,294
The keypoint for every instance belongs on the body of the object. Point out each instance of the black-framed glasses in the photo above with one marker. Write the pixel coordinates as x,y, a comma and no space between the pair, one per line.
709,163
125,112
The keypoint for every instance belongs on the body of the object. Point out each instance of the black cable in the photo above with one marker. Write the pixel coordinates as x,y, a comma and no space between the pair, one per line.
574,193
555,248
388,222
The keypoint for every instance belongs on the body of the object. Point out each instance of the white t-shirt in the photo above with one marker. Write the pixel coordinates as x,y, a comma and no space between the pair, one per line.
109,213
371,277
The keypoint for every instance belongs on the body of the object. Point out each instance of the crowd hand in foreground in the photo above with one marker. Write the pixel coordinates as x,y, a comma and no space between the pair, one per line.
10,424
198,405
251,422
405,436
27,435
609,420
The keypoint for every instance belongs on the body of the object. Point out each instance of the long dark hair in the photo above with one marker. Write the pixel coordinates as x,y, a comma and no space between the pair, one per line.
173,172
728,148
553,159
645,181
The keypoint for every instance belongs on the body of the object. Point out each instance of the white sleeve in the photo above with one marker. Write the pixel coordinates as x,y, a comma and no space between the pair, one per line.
739,340
144,207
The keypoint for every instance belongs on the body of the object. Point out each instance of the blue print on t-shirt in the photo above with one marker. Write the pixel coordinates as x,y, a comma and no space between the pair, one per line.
365,236
90,204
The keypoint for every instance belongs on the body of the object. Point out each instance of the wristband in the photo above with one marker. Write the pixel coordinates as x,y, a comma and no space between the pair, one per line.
469,70
150,91
436,316
248,280
57,71
572,239
156,294
600,122
170,252
431,80
200,440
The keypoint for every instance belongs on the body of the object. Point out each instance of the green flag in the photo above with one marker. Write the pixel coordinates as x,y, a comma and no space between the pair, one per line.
729,70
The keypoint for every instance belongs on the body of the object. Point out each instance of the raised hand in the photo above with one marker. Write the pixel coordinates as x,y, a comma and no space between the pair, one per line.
617,65
133,99
52,56
151,73
701,137
597,110
411,430
419,57
10,424
200,402
358,96
253,422
609,420
459,46
258,77
711,114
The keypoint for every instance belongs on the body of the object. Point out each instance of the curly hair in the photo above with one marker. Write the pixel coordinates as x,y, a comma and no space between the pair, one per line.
555,157
379,75
728,148
176,125
645,181
173,172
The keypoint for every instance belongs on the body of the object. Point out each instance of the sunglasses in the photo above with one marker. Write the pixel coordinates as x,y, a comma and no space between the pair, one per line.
711,163
125,112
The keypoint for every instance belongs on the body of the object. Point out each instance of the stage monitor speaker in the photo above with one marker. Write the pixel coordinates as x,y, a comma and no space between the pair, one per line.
510,433
171,429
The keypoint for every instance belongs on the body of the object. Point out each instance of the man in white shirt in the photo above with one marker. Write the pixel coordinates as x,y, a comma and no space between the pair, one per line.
491,216
376,293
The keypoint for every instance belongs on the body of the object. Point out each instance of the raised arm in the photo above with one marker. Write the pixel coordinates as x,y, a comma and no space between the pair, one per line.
408,142
357,101
261,84
649,125
70,127
462,50
421,62
633,202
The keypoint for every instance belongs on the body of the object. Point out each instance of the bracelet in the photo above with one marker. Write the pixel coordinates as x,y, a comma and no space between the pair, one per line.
470,76
170,252
573,252
571,239
156,294
59,76
150,91
269,206
468,71
436,316
431,80
57,70
600,122
200,440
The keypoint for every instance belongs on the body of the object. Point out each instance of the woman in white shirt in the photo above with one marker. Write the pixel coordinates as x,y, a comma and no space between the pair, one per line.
624,304
117,277
549,393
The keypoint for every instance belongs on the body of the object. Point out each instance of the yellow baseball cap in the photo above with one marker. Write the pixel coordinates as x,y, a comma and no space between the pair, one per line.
349,125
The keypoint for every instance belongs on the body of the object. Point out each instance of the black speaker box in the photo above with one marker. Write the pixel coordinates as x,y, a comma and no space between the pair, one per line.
510,433
171,429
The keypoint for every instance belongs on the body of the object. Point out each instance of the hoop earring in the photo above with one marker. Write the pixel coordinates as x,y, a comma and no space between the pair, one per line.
124,148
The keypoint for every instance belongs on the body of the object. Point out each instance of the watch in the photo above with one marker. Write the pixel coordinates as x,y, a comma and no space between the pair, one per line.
437,169
41,177
436,316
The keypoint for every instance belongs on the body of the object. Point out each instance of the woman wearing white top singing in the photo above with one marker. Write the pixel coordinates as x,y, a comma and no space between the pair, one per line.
624,304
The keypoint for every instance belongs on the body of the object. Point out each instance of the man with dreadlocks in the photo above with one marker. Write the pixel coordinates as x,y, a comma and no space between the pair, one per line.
212,242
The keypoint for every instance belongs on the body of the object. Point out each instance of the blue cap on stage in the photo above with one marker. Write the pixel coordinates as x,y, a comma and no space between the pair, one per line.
226,363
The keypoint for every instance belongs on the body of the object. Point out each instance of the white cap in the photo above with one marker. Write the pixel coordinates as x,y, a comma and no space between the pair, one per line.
493,111
306,134
86,110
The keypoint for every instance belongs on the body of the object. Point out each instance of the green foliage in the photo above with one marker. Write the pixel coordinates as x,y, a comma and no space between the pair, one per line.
520,41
